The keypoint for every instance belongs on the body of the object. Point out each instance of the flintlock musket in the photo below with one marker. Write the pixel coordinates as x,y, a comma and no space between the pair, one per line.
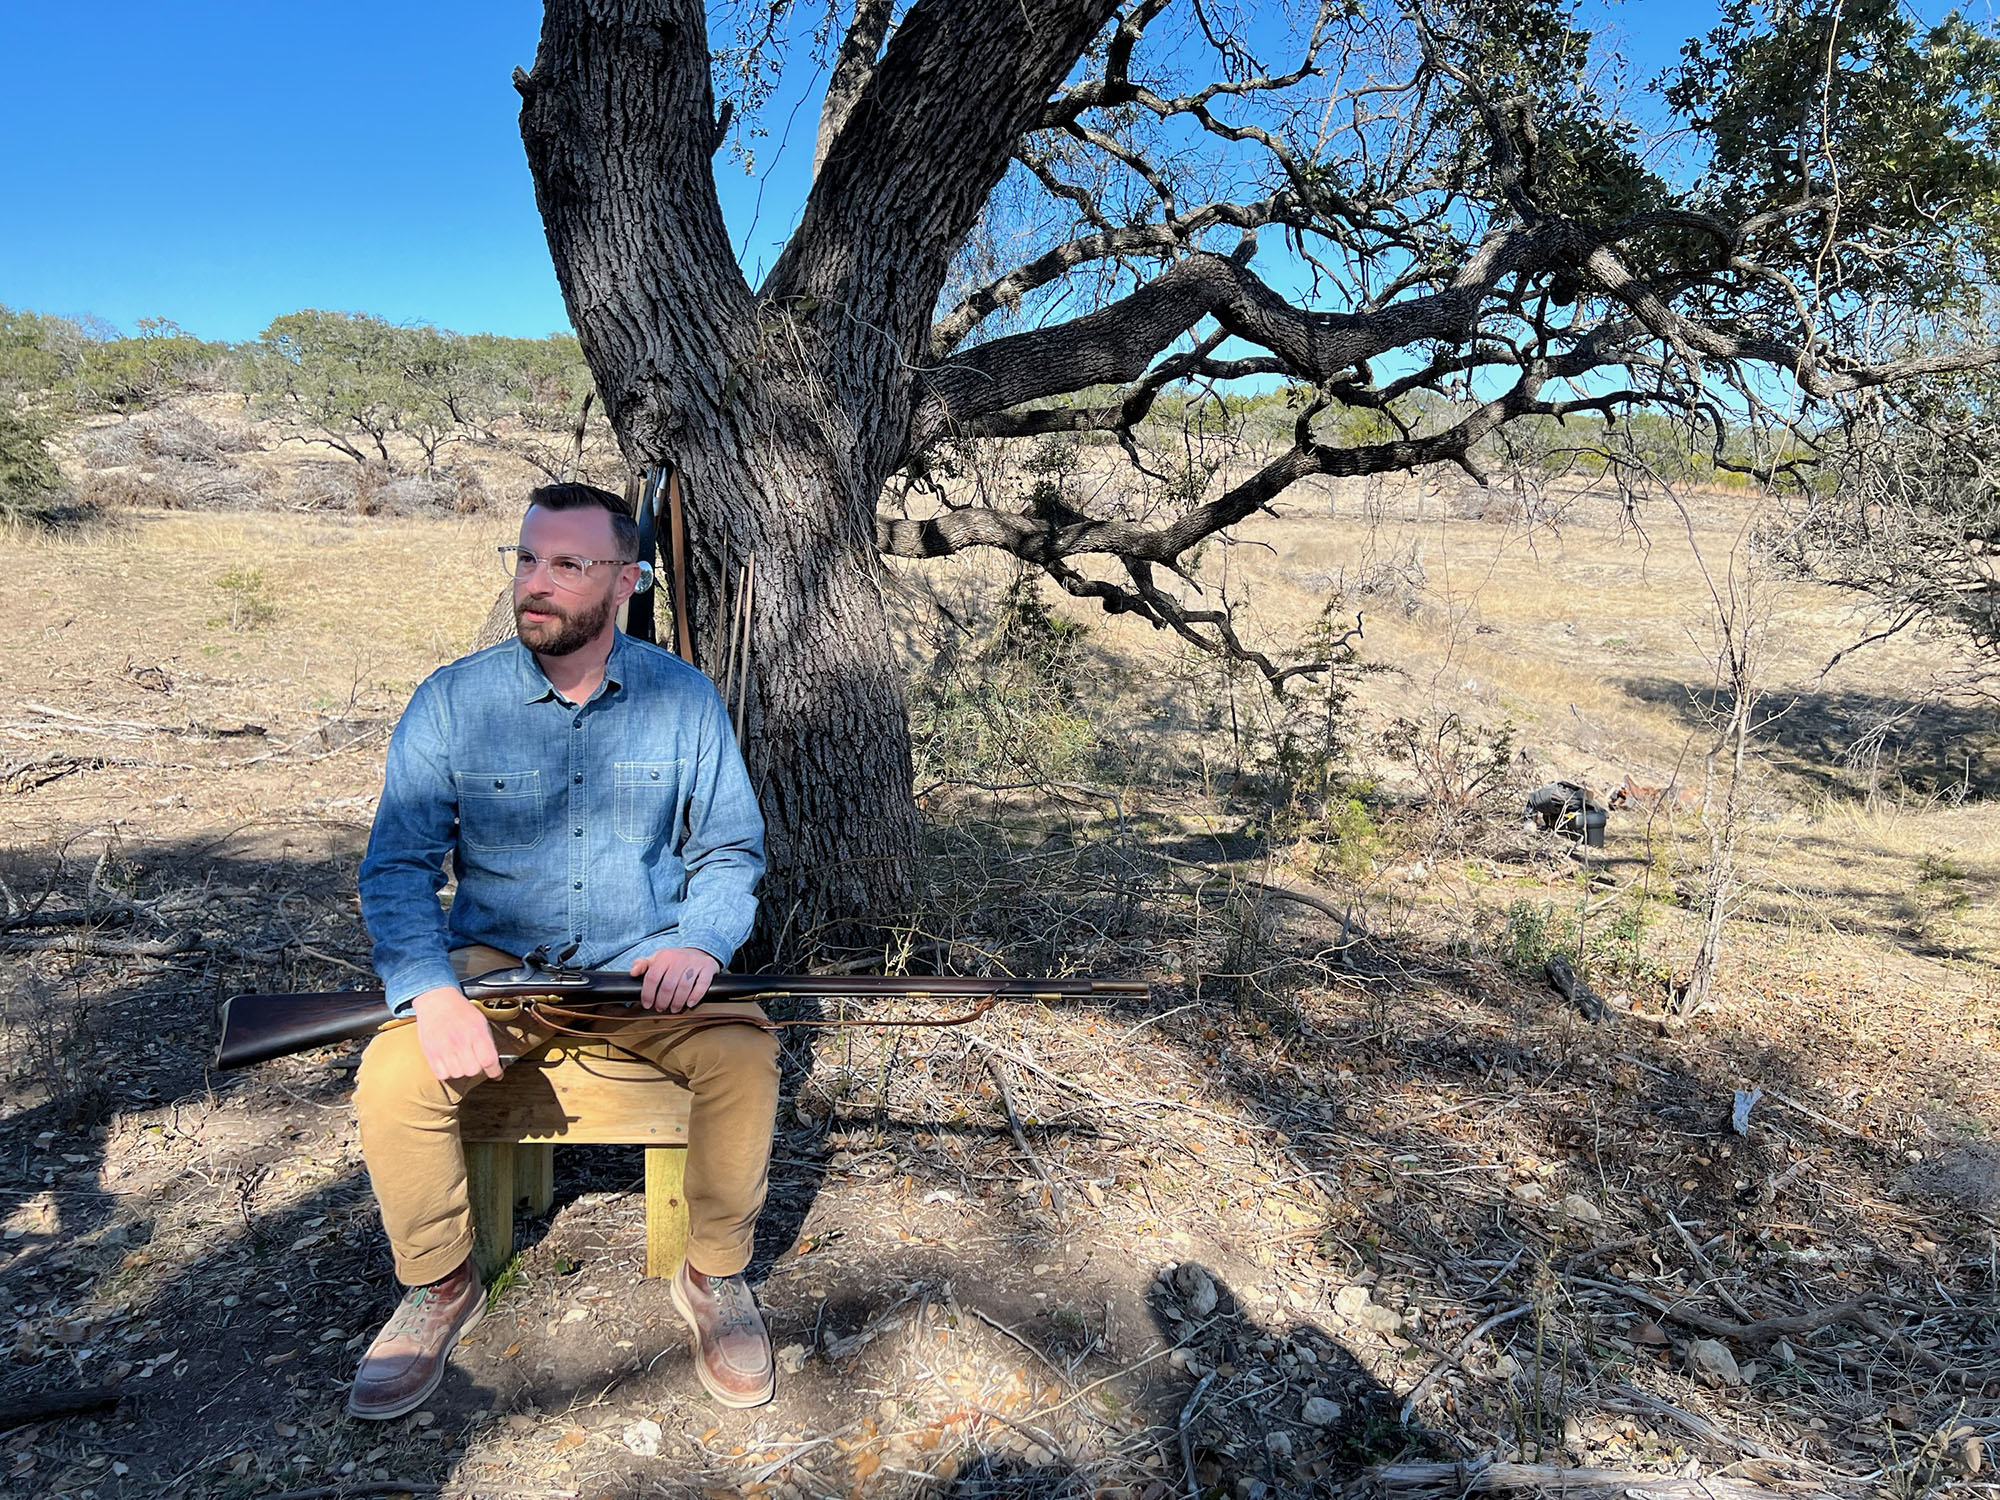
257,1028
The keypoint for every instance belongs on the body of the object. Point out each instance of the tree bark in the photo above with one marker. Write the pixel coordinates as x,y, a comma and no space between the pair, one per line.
618,123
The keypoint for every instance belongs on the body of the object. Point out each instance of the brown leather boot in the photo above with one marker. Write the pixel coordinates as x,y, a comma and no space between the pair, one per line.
732,1350
406,1361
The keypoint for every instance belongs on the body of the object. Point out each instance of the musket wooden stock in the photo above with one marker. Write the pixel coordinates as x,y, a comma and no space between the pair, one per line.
257,1028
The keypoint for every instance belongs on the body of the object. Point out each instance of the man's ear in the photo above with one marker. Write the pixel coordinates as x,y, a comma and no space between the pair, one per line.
628,583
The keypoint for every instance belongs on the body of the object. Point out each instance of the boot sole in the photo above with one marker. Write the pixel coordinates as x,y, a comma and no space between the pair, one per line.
722,1394
411,1402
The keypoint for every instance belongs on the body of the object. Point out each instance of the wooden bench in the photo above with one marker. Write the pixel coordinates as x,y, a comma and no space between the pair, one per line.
573,1091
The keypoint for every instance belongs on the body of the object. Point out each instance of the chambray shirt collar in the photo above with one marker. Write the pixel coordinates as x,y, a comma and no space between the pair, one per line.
535,684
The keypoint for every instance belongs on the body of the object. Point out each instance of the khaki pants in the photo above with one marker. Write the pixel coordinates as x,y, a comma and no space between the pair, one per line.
409,1132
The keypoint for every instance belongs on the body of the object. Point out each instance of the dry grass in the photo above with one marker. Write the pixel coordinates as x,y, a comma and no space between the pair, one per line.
1366,1146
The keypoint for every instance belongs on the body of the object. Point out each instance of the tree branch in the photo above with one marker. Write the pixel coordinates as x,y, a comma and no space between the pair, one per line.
923,145
853,66
1138,240
1115,344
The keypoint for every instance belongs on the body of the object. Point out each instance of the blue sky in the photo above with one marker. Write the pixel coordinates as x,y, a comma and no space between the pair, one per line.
222,163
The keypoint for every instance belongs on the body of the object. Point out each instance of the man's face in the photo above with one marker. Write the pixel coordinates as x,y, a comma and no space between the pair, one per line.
555,621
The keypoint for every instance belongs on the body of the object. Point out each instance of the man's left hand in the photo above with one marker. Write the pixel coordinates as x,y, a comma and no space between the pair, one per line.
676,978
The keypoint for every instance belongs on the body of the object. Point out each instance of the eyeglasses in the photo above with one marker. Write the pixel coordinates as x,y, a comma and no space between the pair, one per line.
565,572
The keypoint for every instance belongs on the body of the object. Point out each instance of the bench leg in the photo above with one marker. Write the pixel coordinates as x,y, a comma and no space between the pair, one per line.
666,1209
489,1183
535,1176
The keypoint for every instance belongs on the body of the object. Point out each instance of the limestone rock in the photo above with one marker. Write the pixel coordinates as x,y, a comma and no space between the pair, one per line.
1195,1289
1319,1412
1348,1302
1581,1209
1712,1358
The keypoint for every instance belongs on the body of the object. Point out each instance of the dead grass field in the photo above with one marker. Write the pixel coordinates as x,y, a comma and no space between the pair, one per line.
1267,1208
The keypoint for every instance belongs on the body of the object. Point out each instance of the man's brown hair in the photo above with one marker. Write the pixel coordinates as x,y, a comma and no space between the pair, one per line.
624,529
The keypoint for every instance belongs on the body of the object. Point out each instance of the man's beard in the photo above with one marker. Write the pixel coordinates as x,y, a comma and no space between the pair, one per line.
570,630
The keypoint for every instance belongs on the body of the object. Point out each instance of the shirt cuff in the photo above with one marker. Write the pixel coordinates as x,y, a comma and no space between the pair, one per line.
408,982
711,942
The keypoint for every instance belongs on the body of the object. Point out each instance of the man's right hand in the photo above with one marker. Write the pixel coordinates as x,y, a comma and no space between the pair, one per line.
457,1041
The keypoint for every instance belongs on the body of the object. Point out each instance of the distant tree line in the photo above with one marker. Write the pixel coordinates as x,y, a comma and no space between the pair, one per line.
378,392
404,395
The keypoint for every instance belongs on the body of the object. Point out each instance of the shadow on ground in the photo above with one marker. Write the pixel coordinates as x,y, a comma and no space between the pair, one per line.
1853,742
211,1243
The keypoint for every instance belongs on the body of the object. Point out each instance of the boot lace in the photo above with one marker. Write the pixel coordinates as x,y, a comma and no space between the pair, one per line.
736,1309
412,1312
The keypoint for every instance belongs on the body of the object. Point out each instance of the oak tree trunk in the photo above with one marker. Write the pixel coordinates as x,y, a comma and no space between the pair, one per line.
788,407
695,374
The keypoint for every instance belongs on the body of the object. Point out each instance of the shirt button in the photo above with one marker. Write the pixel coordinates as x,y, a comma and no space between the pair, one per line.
579,778
498,784
577,725
656,776
578,885
579,833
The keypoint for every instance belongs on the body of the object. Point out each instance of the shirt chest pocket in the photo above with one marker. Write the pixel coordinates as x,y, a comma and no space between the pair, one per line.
500,809
647,799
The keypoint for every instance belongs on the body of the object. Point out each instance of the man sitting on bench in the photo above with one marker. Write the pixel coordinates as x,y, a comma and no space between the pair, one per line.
589,794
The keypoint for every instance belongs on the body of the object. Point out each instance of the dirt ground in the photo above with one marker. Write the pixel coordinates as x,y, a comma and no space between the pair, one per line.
1325,1203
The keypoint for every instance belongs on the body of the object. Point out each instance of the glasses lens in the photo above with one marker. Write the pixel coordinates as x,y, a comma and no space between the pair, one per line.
566,572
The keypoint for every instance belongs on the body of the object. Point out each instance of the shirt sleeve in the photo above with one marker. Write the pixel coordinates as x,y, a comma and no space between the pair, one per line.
723,851
403,870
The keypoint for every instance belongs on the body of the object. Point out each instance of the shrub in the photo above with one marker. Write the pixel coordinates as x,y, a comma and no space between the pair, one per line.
32,491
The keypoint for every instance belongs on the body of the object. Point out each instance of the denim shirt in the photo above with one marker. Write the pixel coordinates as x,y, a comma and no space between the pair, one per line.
624,825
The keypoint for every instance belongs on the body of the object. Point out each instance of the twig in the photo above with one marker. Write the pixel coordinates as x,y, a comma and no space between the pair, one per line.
1728,1297
1812,1114
1187,1448
1152,1021
1137,1364
1902,1343
1020,1136
1317,902
1041,1072
790,1458
1701,1427
26,775
995,1323
1496,1278
1450,1361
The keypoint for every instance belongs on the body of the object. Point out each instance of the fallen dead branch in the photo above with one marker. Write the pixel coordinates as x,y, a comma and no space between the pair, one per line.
50,1404
1632,1400
26,775
1447,1481
1451,1360
1573,989
999,1072
1857,1311
90,944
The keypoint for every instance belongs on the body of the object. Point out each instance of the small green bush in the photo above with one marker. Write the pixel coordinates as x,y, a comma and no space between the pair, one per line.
32,491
